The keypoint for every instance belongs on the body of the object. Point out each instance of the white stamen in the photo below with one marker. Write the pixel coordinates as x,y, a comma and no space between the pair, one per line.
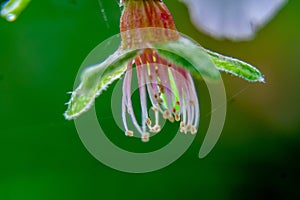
141,82
127,93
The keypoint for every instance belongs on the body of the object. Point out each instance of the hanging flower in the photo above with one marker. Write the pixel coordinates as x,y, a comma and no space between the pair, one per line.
164,61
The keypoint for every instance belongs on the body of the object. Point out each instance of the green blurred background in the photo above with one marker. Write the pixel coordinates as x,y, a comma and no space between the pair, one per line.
42,156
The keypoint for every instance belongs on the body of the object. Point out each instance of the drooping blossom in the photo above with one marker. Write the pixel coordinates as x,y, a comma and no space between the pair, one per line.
164,61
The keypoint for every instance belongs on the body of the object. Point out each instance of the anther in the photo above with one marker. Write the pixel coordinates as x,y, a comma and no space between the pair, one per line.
174,110
152,130
171,118
193,130
161,88
189,127
177,117
129,133
182,125
166,114
145,137
148,121
157,128
183,130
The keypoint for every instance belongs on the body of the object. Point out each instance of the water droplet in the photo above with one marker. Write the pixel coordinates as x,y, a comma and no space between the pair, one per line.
11,17
121,2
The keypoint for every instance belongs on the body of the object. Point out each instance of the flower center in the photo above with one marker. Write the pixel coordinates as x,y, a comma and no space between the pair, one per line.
171,92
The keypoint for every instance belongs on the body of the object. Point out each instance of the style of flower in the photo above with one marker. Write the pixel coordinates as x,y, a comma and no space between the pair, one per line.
164,61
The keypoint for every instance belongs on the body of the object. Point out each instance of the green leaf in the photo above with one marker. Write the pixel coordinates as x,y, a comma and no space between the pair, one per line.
236,67
189,55
13,8
95,79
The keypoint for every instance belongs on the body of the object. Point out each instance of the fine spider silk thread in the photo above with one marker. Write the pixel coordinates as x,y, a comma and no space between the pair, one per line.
103,13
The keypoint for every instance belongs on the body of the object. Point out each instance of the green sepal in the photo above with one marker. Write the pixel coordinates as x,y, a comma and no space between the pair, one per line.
13,8
236,67
95,79
189,55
